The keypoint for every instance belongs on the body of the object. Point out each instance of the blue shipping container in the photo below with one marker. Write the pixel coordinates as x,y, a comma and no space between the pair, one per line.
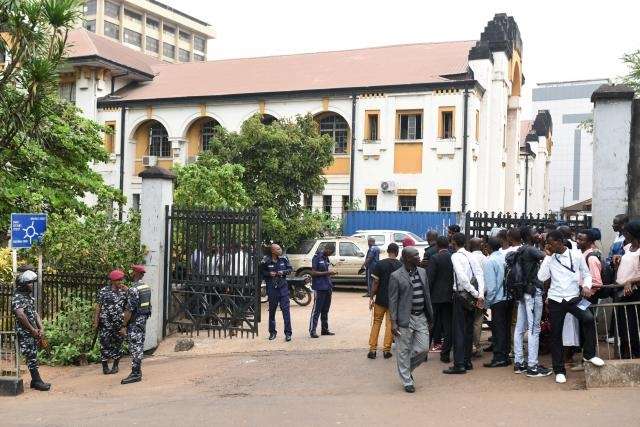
416,222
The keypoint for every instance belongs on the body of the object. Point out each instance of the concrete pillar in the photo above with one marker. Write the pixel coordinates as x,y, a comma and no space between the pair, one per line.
512,153
612,115
157,192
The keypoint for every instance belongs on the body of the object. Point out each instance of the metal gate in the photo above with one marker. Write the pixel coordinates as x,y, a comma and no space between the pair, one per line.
212,280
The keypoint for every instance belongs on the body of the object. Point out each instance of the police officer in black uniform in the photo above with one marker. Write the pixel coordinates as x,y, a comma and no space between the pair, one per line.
137,311
275,269
29,329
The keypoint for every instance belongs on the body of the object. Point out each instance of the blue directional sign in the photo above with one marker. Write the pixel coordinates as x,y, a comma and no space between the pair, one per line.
27,229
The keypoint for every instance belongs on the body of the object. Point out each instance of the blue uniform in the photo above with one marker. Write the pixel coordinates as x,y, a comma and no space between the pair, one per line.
374,254
277,290
322,288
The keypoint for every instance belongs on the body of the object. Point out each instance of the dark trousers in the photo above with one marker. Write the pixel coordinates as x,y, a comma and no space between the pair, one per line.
462,334
627,320
557,312
321,305
279,296
443,312
500,330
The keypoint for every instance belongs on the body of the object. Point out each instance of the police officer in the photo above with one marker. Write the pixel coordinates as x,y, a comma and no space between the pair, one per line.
322,289
138,310
108,318
29,329
275,269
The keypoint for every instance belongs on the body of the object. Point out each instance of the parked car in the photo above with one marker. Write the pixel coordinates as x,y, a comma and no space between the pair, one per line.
347,259
384,237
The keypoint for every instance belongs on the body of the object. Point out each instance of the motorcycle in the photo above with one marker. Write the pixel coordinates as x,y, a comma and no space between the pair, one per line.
299,290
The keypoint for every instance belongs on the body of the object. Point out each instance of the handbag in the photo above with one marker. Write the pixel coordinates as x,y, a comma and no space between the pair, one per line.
464,297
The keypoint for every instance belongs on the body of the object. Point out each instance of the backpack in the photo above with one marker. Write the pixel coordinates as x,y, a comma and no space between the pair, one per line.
515,281
607,273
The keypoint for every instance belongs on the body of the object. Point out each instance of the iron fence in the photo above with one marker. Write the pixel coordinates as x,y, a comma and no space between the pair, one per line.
480,224
6,317
58,286
621,338
212,281
9,358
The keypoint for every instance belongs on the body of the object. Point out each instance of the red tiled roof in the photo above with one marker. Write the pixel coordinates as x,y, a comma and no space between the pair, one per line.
82,43
371,67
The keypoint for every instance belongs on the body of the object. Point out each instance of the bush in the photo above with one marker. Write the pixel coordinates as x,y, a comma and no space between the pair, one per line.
71,335
94,243
6,269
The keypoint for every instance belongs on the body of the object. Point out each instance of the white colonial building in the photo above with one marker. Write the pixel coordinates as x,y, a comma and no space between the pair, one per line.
431,126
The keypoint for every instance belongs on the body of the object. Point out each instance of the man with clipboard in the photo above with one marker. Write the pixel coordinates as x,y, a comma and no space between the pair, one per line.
570,277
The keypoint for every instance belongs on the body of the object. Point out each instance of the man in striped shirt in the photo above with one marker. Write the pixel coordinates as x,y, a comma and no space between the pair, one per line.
411,315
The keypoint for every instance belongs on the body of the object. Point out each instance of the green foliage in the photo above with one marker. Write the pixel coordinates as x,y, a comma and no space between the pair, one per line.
6,267
209,184
632,60
46,146
281,161
71,335
96,242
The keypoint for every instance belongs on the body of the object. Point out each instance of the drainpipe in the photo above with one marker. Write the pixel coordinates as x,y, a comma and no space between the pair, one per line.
122,147
526,182
464,150
353,146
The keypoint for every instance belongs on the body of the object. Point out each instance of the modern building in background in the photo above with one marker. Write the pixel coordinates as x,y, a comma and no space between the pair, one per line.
150,27
571,167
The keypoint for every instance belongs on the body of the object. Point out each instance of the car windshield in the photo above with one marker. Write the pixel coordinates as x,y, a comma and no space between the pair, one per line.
303,248
415,237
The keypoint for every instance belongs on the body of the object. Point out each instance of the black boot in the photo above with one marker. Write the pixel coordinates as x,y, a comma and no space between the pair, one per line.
134,376
36,381
105,367
115,369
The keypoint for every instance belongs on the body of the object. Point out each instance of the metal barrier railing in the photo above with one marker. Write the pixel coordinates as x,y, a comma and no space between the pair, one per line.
9,355
621,329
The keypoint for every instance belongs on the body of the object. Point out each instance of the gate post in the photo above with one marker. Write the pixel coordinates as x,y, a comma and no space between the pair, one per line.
157,192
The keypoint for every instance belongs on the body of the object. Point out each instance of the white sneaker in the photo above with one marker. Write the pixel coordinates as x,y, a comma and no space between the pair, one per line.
611,340
561,379
595,361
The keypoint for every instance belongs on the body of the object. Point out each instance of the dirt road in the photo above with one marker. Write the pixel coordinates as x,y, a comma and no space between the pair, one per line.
312,382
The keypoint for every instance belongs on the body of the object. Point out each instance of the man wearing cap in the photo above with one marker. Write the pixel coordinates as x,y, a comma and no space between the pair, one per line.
108,320
275,269
29,329
137,311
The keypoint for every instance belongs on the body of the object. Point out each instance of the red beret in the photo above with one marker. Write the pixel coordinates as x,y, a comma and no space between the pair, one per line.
138,268
116,275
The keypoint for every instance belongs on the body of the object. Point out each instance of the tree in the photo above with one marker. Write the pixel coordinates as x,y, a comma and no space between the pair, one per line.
46,146
281,162
633,77
209,184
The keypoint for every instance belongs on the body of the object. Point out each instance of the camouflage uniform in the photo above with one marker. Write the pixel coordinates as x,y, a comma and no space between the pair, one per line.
137,326
27,342
111,318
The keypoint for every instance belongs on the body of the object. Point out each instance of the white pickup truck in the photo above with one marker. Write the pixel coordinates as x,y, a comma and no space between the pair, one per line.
384,237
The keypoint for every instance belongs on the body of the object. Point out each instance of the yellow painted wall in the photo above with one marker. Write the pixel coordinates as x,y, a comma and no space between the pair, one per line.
193,138
340,166
407,158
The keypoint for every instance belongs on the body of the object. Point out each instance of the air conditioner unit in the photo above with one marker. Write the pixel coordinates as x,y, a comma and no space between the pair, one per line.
192,159
388,186
148,161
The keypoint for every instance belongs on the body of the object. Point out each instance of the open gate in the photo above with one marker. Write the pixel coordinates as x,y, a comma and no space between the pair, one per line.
212,280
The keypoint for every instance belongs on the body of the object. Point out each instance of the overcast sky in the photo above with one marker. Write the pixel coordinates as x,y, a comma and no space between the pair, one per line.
562,39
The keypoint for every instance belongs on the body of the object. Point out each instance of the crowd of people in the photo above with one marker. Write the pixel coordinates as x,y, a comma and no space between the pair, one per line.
526,277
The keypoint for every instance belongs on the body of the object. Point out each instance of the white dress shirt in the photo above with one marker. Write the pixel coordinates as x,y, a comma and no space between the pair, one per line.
465,265
565,283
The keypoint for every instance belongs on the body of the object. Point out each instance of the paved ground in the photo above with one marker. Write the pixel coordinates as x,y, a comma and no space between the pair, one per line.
310,382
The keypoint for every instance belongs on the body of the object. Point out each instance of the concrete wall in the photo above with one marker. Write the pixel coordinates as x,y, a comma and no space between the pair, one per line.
612,132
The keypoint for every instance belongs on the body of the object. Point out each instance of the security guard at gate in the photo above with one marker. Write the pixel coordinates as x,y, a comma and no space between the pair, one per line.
29,329
275,269
108,320
137,311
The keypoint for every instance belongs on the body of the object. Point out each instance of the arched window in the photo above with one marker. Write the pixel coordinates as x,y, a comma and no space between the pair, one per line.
208,133
338,129
159,144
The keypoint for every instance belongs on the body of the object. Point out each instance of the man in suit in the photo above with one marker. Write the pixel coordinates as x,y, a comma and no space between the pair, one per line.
440,275
411,314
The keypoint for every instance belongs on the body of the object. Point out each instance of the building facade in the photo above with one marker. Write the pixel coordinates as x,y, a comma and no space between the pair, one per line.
432,126
571,168
150,27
